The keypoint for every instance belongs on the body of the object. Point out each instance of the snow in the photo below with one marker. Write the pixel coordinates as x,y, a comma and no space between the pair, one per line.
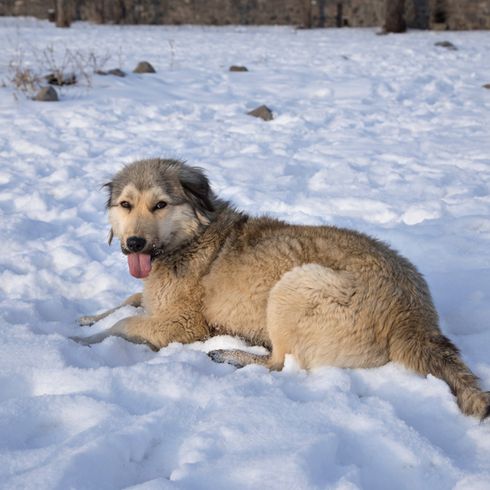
386,134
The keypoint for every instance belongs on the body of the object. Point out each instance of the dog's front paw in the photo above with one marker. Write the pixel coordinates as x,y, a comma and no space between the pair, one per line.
81,340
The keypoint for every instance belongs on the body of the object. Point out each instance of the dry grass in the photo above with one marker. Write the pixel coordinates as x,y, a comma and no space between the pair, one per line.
31,68
22,76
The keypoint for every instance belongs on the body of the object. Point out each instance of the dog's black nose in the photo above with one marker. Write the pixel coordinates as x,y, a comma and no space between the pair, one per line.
135,243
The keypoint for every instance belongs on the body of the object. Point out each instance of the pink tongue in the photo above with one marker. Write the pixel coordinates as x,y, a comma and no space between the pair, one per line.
139,265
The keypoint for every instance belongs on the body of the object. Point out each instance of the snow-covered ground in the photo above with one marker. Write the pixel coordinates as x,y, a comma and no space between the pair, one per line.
386,134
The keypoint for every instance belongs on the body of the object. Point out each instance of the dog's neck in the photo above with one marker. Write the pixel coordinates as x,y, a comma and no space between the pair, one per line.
205,245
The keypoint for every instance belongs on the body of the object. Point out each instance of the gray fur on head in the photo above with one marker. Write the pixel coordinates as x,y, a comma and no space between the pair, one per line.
177,179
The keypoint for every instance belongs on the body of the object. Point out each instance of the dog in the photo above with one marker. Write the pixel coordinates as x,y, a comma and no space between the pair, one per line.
326,295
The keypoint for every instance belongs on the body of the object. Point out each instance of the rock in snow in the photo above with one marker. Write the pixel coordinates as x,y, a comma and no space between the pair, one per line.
263,112
446,44
238,68
47,94
60,78
117,72
144,67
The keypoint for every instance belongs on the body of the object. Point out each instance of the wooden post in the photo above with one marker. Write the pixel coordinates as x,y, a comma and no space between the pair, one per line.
339,19
100,11
395,16
307,10
62,14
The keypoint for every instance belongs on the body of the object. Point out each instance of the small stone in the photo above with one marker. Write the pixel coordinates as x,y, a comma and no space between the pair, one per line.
447,45
117,72
238,68
59,79
144,67
487,86
263,112
47,94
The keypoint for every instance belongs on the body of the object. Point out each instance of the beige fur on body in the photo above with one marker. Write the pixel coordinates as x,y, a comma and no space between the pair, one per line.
326,295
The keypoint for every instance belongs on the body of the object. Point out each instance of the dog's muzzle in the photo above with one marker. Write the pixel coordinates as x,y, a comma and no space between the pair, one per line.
135,244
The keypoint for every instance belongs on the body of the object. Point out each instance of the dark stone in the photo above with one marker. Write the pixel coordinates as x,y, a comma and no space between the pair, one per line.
144,67
238,68
263,112
60,79
117,72
447,45
47,94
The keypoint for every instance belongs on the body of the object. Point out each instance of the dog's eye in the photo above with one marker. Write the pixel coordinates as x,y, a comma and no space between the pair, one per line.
159,205
125,204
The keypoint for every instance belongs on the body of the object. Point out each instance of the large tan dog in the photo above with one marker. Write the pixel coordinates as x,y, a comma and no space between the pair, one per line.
328,296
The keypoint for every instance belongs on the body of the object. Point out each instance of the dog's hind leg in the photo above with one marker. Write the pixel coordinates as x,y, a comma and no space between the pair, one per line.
134,300
306,309
238,358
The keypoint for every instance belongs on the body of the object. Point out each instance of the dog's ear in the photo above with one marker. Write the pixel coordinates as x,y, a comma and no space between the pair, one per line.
197,189
108,186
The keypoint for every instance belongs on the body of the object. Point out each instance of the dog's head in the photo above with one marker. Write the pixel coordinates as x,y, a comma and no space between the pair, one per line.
154,207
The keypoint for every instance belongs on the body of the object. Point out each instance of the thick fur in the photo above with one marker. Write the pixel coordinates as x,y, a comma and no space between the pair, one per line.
326,295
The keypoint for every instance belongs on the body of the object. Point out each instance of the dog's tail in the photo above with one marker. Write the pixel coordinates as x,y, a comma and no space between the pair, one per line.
430,352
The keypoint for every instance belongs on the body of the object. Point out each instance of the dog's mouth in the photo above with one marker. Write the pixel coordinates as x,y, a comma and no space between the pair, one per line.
139,263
